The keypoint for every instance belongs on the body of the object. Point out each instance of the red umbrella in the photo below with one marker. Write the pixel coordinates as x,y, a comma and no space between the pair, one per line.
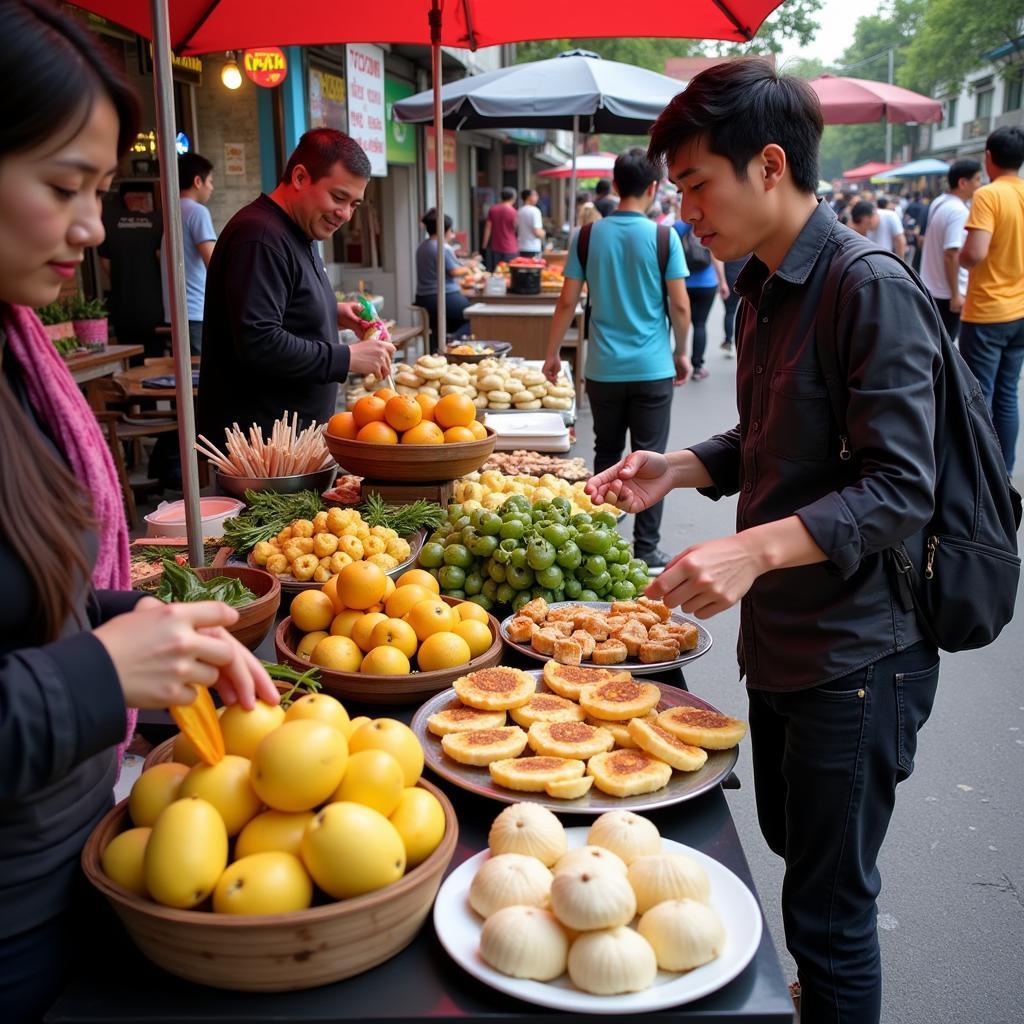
868,170
589,165
202,26
859,101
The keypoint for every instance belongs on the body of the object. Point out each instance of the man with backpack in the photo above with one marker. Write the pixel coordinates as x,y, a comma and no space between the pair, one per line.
846,468
635,274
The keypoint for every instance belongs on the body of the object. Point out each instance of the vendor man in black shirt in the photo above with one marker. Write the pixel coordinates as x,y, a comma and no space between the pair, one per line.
270,334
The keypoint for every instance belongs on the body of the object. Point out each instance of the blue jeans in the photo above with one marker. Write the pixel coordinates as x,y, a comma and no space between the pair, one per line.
995,354
826,762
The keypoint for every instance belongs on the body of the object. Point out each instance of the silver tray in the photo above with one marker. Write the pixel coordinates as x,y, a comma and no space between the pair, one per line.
682,786
636,668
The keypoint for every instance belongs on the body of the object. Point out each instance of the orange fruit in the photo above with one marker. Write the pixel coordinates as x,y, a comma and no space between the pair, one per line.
427,403
385,661
377,433
443,650
402,600
340,653
395,633
330,588
424,432
420,577
429,617
476,634
403,412
478,430
342,424
361,584
397,739
389,588
385,393
453,435
454,411
363,628
369,409
311,611
343,622
467,610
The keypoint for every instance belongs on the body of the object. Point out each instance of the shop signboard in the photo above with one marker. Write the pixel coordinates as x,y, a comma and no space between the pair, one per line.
365,83
450,149
401,147
327,100
267,66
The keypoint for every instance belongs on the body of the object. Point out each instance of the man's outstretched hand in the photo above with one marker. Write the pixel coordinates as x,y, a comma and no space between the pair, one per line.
639,481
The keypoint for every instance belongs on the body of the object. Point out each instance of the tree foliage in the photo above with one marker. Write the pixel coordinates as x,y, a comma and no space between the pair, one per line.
952,36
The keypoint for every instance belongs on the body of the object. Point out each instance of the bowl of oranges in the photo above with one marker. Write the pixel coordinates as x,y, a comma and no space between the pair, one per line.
386,642
383,436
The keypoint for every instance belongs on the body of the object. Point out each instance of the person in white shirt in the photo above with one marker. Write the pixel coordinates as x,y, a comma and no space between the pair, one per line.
889,233
529,225
943,240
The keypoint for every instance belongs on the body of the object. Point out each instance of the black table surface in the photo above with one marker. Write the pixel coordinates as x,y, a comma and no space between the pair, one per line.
116,983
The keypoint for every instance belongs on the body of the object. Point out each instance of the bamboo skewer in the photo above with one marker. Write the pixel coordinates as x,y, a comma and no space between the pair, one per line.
288,451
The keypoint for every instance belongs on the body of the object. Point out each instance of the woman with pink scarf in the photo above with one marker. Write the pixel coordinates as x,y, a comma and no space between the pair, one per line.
77,648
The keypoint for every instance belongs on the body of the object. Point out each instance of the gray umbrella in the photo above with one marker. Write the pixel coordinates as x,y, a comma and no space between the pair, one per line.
576,90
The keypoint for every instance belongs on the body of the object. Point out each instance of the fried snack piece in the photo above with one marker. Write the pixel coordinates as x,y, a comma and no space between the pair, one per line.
628,772
485,745
560,626
543,641
633,635
620,730
459,718
495,689
659,608
701,728
609,652
590,622
665,746
537,609
652,651
684,633
586,641
534,774
521,629
570,789
567,651
547,707
569,739
568,680
619,700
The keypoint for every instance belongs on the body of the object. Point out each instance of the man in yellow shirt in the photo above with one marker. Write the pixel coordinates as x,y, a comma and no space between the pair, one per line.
992,322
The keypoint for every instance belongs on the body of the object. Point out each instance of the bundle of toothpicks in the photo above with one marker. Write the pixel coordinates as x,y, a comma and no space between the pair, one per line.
288,452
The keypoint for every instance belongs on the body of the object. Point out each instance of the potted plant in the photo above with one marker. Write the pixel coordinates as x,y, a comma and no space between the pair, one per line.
89,317
56,322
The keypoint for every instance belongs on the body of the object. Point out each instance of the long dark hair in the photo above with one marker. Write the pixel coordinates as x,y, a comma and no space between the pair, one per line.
55,74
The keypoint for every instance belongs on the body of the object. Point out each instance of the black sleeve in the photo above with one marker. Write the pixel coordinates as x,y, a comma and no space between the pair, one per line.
105,604
259,276
59,705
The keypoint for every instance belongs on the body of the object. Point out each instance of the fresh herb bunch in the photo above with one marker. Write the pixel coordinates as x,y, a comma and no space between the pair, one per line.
179,583
403,519
303,683
267,515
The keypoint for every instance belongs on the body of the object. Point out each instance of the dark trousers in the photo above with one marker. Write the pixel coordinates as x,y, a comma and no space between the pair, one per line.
195,337
732,303
644,408
826,762
493,257
950,320
701,300
456,324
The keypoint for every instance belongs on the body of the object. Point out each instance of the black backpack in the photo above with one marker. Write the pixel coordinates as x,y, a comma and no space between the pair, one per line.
698,256
960,572
583,247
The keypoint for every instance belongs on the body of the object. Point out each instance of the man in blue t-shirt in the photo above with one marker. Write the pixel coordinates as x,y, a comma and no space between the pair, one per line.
631,368
195,180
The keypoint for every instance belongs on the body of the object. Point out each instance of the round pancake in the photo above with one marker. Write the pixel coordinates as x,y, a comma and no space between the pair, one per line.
570,789
620,699
569,739
666,747
459,718
620,730
628,772
534,774
568,680
703,728
547,707
495,689
485,745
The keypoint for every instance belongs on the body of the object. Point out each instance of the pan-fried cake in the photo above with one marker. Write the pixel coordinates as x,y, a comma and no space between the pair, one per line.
570,789
569,739
495,689
666,747
484,745
620,699
459,718
533,774
628,772
568,680
547,707
703,728
620,730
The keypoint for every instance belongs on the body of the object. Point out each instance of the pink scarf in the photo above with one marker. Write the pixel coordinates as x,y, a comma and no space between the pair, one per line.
56,399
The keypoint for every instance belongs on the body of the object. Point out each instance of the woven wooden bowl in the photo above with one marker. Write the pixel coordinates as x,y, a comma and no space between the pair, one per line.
278,952
386,690
411,463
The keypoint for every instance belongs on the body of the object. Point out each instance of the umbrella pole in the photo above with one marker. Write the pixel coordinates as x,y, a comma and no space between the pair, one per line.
434,17
167,154
572,173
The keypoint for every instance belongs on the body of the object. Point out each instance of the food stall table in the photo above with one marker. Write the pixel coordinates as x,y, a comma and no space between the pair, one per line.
114,982
524,326
87,366
543,297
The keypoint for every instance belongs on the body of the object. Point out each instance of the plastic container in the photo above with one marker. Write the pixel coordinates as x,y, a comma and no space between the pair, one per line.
168,519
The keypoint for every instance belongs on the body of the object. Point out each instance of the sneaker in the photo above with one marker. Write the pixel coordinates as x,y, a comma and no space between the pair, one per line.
655,559
700,373
727,348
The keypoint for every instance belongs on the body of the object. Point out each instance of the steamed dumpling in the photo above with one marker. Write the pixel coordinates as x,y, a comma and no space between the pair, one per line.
525,942
610,962
509,880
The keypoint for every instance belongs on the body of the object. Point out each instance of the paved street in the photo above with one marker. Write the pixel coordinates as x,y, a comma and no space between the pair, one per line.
951,912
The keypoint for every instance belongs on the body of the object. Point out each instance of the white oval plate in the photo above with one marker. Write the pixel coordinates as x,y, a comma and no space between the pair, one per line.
458,927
